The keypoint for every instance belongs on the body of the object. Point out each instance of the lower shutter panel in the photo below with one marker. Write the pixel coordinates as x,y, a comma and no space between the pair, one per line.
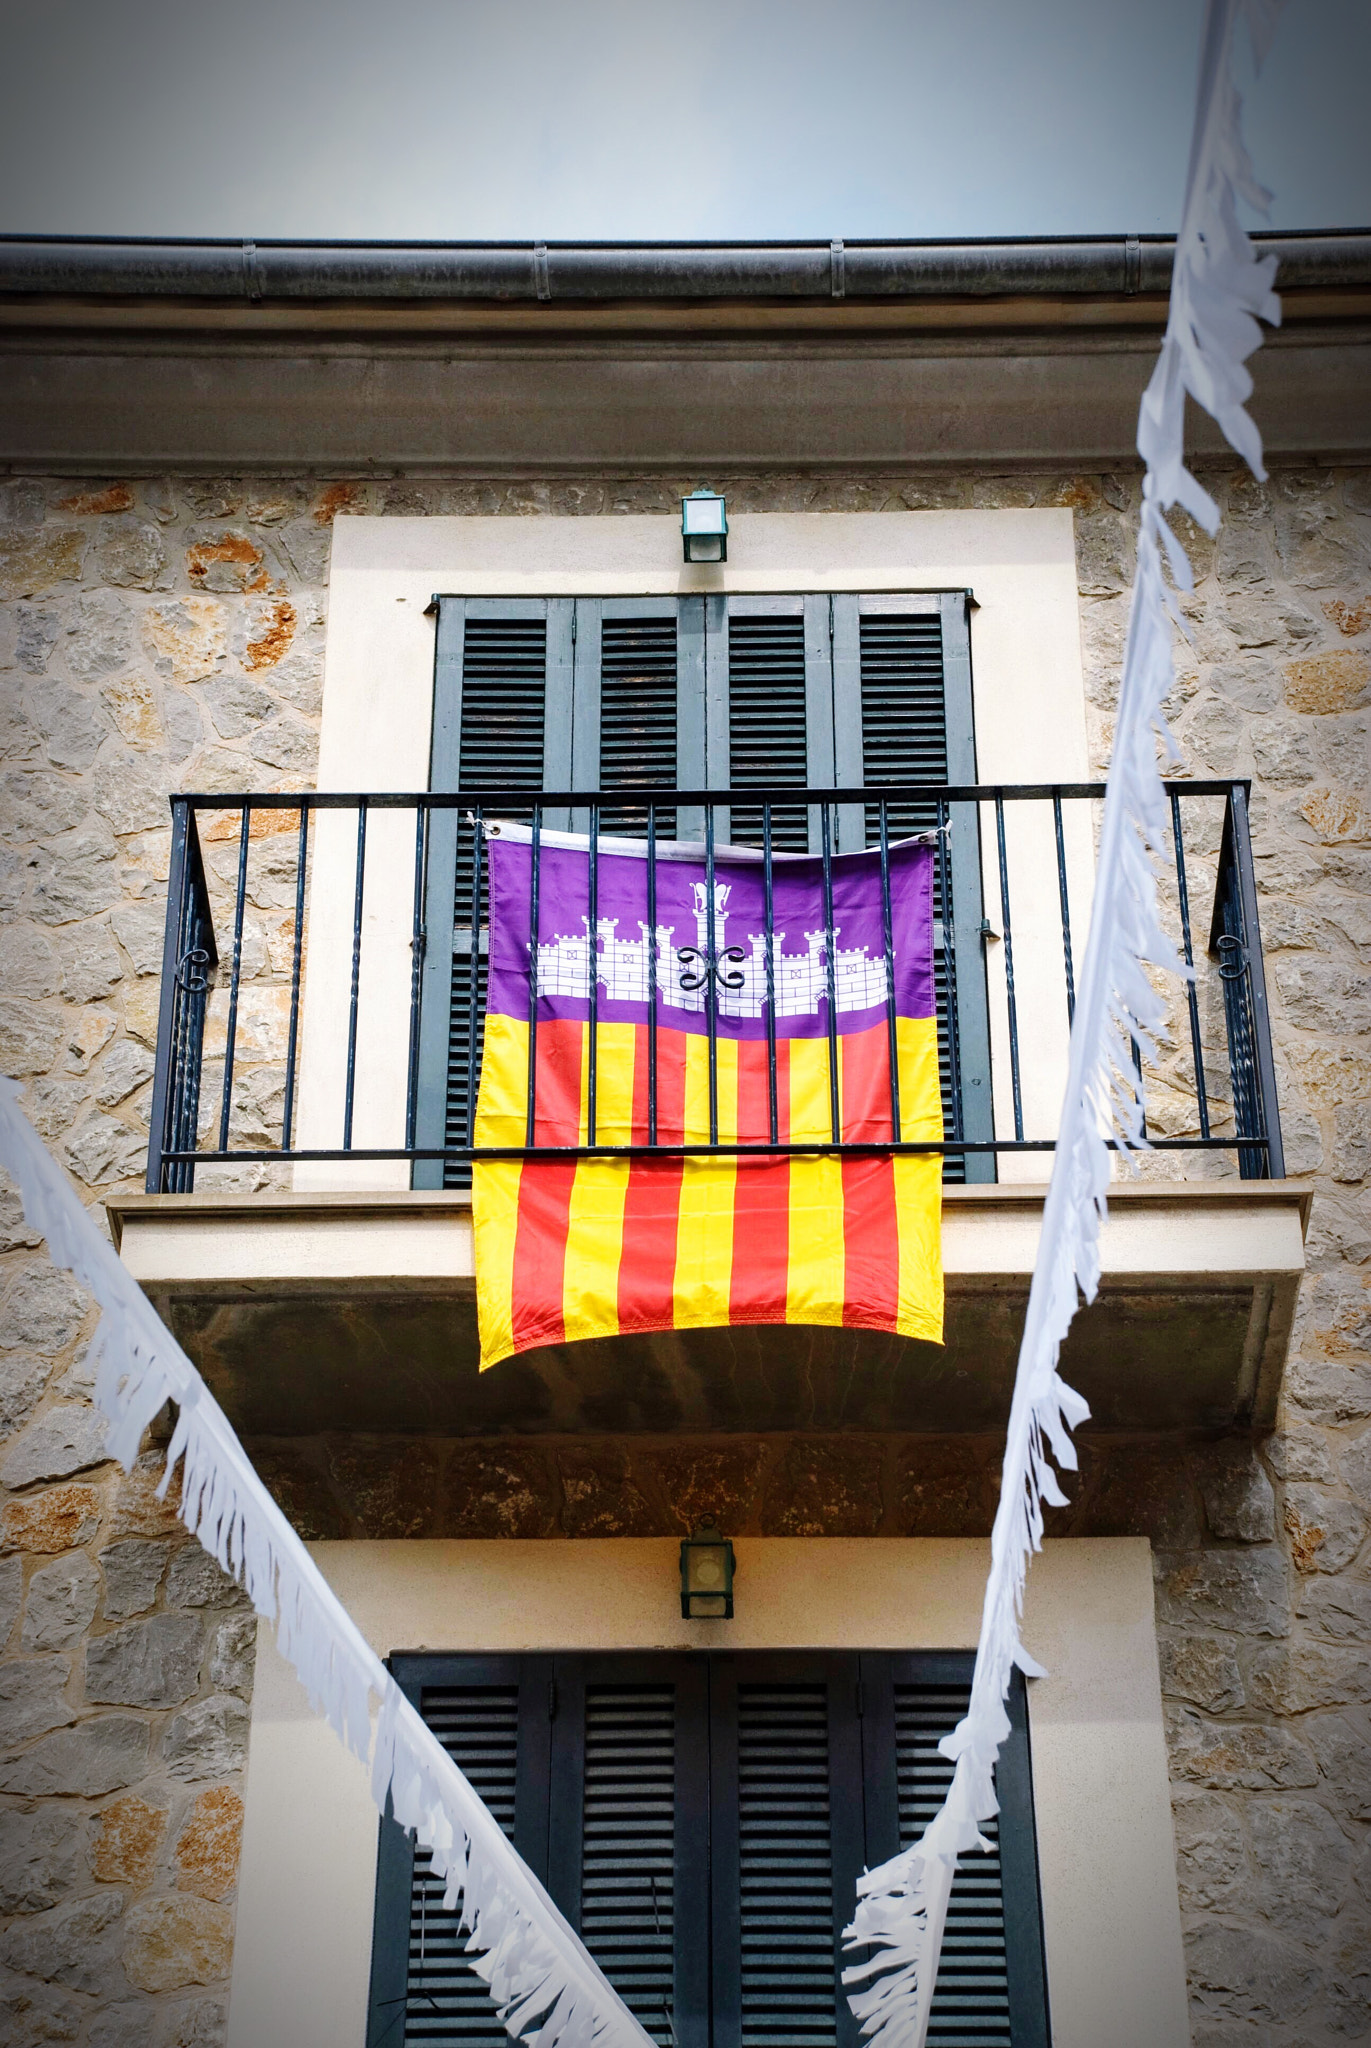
447,2005
628,1846
971,1998
785,1867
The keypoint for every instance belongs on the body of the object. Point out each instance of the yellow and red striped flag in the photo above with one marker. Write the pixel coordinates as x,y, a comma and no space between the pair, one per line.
596,1247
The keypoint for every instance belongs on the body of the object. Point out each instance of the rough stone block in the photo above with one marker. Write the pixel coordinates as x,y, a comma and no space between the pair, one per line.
216,560
238,706
61,1602
202,2023
1352,1143
30,1036
498,1490
944,1490
39,1858
120,2026
1342,1747
91,967
1203,1671
708,1483
33,1699
599,1496
42,1310
197,1580
1337,1607
70,1944
98,1756
1292,1679
34,2015
66,1439
133,1572
1323,996
1339,681
391,1484
11,1595
28,962
1253,1977
51,1521
1238,1500
129,794
233,1655
825,1488
1354,1463
208,1845
1325,1532
1246,1590
137,1511
1299,1453
170,1943
1236,1755
1304,1863
186,638
1211,1854
208,1740
127,1842
125,1067
131,555
35,561
300,1491
146,1663
22,1380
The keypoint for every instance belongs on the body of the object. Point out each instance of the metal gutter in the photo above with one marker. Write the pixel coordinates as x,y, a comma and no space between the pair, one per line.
258,273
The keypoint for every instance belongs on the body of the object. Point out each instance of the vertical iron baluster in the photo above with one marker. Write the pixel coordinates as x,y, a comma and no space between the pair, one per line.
173,1179
231,1031
1138,1087
167,1078
834,1113
770,902
196,1010
888,936
1191,995
416,973
1066,914
593,936
358,891
954,1044
1269,1164
296,949
711,959
651,974
478,847
1009,969
535,876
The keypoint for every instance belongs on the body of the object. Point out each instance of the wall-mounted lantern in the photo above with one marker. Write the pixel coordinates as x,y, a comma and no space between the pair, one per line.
704,527
707,1575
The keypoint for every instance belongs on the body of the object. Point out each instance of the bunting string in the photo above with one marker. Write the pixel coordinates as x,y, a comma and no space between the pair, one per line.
1220,288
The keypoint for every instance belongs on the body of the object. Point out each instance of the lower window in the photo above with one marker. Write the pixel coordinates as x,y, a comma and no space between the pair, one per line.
702,1820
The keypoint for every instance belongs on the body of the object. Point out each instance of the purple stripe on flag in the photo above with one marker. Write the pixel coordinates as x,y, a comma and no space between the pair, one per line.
622,958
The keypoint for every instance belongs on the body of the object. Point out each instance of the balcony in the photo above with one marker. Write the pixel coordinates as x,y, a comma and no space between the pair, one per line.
306,1228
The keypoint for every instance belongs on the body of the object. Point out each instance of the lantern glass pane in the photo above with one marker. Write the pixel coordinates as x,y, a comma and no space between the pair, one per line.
704,515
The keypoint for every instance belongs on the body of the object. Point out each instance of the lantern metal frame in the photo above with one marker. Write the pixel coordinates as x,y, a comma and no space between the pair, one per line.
705,540
707,1602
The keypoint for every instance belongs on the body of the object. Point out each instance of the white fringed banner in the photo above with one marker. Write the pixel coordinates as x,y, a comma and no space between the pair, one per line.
540,1974
1218,288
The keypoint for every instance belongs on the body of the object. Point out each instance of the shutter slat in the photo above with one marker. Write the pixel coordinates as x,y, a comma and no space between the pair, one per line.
447,2003
637,717
785,1870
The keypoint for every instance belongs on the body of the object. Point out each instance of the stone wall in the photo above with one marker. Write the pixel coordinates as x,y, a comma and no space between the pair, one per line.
169,634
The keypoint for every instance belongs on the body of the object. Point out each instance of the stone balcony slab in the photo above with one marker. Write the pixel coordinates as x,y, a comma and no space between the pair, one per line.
356,1312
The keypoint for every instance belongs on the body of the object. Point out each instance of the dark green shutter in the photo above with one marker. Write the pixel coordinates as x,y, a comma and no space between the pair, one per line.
702,1819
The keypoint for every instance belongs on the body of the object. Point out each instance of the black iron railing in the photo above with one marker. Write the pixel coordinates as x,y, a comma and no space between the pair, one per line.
219,1099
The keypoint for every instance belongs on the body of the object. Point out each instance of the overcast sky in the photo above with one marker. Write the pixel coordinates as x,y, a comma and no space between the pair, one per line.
652,119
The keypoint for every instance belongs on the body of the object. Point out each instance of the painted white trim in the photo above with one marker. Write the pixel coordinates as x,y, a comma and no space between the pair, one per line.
1106,1854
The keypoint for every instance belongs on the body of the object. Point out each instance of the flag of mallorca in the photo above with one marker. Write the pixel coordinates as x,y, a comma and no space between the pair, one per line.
597,1247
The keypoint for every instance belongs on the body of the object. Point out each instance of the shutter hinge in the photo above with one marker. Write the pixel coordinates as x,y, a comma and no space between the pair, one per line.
574,609
861,1699
552,1699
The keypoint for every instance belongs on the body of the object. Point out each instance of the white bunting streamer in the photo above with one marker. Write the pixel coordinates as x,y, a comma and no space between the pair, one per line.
1218,287
540,1975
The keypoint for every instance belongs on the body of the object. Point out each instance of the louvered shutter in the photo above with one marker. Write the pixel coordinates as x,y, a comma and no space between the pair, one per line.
991,1988
491,1714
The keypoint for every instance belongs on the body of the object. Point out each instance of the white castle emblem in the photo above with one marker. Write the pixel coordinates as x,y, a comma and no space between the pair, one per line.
622,967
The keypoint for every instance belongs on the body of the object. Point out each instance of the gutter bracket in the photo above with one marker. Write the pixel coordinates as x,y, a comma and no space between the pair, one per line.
252,276
1132,267
837,270
541,282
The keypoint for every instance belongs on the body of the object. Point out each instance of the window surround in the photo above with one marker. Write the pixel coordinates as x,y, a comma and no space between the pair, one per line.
1029,708
1106,1854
